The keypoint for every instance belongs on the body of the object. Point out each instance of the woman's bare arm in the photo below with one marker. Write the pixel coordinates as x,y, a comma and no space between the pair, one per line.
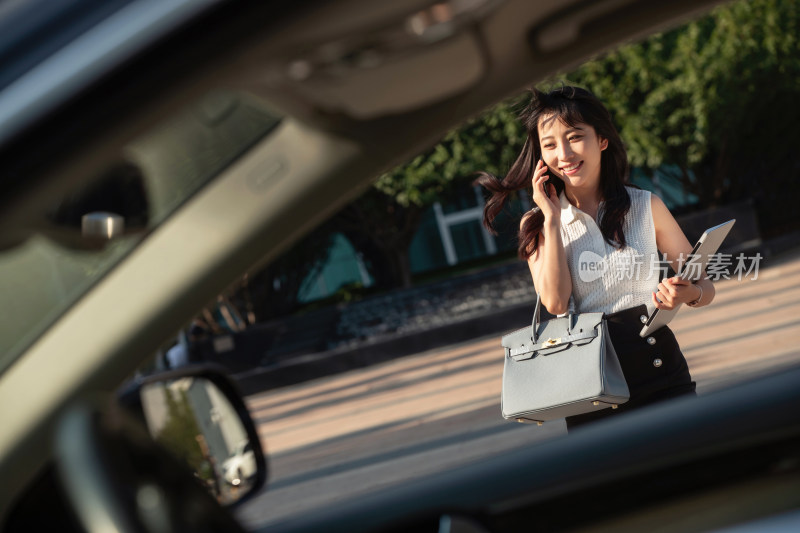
548,266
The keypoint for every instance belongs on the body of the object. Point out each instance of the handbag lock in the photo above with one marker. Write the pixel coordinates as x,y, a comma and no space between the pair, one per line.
527,421
596,403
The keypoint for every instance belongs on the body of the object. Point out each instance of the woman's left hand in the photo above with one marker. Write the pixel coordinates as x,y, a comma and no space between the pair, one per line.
673,292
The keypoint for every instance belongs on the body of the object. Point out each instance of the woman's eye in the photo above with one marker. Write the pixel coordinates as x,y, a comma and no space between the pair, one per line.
549,146
575,138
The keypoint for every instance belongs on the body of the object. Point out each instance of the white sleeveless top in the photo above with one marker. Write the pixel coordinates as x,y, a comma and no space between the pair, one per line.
608,279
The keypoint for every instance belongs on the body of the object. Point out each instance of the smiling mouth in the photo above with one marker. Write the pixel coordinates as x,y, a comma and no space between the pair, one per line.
572,168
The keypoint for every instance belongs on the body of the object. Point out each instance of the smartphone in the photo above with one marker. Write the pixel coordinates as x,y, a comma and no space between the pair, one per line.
546,183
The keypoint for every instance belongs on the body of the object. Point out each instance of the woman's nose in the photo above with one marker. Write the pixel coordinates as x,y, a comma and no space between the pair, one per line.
564,152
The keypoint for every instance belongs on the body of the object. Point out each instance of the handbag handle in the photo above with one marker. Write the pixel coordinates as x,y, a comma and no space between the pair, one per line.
536,312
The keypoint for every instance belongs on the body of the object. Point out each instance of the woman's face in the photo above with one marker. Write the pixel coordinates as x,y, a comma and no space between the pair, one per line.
573,153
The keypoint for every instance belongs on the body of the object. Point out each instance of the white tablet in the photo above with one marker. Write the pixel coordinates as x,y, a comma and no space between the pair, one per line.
692,270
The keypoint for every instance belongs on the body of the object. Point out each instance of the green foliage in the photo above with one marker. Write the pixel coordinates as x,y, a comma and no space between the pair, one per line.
382,222
715,97
488,142
180,433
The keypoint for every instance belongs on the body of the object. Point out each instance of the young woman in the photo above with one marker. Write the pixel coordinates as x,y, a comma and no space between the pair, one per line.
593,241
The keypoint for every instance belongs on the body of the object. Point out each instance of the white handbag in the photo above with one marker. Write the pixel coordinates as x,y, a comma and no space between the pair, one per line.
561,367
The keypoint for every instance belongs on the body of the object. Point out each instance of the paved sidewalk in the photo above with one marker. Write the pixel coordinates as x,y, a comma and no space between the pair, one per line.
348,434
752,327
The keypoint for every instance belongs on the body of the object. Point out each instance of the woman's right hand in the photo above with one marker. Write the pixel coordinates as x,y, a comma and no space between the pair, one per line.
545,198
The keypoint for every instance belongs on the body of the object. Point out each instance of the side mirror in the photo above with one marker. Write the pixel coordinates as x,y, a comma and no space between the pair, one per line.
196,413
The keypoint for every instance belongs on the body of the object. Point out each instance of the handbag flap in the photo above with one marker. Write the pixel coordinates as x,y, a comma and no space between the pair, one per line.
553,336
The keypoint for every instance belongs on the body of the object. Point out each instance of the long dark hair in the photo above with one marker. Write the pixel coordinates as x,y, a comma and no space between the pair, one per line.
571,105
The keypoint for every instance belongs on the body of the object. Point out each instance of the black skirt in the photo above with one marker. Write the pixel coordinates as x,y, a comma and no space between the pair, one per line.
654,366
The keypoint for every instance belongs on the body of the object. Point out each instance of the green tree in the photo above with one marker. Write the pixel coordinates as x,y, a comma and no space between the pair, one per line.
180,433
381,223
715,98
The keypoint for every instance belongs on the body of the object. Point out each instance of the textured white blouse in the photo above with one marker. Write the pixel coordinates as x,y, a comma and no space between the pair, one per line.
608,279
